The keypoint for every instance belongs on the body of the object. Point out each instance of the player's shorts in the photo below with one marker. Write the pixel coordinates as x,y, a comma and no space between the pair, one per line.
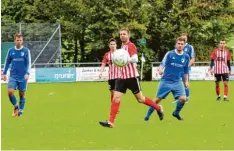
20,85
220,77
111,84
165,87
133,84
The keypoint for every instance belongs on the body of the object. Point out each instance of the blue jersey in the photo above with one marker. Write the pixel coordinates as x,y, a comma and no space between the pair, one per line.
189,50
174,65
19,61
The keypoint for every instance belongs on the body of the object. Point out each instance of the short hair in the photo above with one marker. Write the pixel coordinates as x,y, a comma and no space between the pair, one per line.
184,34
18,35
112,39
125,29
180,39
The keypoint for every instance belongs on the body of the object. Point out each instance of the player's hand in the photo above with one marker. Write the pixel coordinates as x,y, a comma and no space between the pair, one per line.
186,84
160,72
26,76
4,78
211,71
100,75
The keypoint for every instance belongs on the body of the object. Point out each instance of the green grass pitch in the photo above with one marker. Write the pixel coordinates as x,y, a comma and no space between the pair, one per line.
65,116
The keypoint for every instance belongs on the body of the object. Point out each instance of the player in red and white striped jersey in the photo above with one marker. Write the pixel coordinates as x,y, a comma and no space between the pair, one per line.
128,80
220,65
114,71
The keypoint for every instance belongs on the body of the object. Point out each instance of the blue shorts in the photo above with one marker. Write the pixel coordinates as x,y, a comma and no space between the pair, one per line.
20,85
165,87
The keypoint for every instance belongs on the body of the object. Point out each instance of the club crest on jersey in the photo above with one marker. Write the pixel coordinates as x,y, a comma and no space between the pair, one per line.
22,53
182,60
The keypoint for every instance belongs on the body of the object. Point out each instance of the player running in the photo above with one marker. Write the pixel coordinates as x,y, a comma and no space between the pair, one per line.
174,63
128,80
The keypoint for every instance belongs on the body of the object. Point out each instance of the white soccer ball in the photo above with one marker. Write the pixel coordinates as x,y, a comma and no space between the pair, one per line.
120,57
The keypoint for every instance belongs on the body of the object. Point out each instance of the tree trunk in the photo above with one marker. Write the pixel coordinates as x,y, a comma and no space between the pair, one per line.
82,45
76,47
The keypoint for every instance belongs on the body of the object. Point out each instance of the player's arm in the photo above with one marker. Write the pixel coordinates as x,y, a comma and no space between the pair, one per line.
212,57
229,63
28,65
163,63
186,71
192,57
133,54
6,65
104,61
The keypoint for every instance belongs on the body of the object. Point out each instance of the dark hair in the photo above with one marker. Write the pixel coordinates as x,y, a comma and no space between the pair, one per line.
126,29
180,39
112,39
18,35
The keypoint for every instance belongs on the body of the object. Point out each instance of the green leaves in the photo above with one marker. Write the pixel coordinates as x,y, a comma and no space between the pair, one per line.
87,25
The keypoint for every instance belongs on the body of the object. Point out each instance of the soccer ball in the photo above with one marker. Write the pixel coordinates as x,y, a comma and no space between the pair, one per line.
120,57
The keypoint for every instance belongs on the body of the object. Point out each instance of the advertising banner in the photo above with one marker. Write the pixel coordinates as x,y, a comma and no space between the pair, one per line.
31,79
197,73
91,74
55,74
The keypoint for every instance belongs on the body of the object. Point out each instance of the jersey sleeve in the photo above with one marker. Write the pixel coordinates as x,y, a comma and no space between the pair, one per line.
7,62
186,68
104,60
192,52
165,60
28,62
213,55
132,50
228,55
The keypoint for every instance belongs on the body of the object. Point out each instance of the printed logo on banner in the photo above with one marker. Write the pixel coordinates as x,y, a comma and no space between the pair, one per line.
91,74
55,75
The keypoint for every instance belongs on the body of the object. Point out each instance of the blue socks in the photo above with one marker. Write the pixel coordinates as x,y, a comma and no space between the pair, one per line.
179,106
13,100
21,105
150,111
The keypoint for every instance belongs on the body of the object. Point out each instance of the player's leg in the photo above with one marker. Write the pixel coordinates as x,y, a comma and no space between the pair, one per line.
187,90
22,89
111,84
120,90
225,82
217,85
179,92
134,85
163,91
12,85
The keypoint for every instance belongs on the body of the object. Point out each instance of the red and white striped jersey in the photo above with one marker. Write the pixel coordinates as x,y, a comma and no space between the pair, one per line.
129,71
220,58
114,71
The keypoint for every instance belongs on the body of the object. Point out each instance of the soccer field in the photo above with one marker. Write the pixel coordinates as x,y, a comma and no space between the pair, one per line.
65,116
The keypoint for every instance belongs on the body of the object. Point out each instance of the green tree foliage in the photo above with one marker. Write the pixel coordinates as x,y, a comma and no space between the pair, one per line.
87,25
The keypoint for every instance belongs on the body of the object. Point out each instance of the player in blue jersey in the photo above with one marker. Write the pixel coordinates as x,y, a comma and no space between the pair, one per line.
190,51
19,60
174,63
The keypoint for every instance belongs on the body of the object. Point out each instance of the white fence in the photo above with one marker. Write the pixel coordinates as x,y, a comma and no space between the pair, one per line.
72,72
